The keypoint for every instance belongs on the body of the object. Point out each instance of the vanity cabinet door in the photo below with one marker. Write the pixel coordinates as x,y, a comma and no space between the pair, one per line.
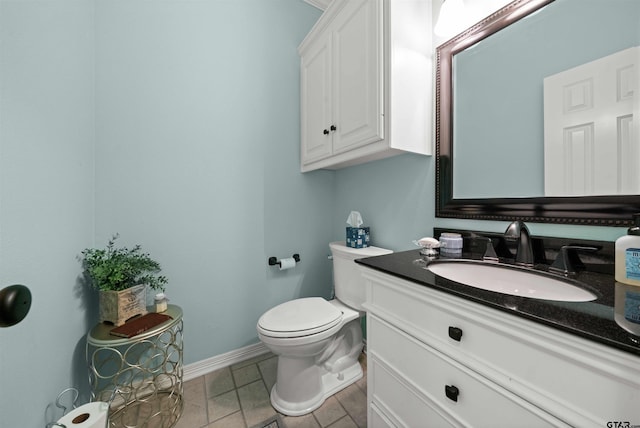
439,388
394,402
554,370
581,382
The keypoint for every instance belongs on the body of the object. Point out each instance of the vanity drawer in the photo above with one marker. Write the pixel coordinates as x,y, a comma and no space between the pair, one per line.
439,386
392,402
579,381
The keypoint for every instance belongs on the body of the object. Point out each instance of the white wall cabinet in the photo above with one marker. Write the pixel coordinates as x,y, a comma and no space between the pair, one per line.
366,83
438,360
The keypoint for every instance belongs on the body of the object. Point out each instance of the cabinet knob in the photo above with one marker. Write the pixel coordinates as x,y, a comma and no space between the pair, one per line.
325,132
451,392
333,128
455,333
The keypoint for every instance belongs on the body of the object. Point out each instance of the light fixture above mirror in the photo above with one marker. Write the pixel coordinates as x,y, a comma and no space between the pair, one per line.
452,19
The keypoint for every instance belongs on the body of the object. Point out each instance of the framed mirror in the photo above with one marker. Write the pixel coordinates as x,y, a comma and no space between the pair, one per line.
497,147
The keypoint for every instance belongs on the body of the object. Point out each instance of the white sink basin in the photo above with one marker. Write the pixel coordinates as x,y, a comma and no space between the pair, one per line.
510,280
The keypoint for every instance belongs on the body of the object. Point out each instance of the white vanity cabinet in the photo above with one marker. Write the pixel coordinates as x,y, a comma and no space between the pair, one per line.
438,360
366,83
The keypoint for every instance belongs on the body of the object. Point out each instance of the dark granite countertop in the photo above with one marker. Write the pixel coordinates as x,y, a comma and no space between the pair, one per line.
592,320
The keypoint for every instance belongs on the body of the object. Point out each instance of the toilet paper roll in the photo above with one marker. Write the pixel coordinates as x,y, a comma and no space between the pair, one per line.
90,415
289,263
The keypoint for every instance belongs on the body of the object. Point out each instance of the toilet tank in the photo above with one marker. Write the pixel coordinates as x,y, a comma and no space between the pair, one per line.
347,279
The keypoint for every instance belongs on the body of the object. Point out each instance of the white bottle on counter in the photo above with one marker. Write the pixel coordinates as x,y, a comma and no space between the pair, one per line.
628,255
627,293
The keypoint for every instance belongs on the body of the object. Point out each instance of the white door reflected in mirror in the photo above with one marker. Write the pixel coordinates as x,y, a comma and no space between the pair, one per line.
586,109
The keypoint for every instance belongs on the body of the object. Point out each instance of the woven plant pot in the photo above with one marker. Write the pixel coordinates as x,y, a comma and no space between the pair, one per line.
116,307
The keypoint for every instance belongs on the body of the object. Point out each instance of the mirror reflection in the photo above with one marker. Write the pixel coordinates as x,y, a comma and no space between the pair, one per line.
492,111
530,115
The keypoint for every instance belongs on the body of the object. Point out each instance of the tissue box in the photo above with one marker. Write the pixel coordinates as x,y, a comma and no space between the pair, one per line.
357,237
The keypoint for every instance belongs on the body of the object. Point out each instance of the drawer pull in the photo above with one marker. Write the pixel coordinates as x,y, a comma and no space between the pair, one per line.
455,333
451,392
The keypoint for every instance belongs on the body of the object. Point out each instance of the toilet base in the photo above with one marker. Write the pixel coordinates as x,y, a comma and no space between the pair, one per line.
331,384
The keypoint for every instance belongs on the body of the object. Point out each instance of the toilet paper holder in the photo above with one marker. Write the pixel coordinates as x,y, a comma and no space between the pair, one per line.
274,260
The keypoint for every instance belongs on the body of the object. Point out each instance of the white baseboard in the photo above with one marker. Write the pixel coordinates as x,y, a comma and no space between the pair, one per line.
200,368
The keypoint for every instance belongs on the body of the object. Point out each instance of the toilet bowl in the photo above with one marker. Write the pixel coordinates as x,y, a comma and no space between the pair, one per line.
318,341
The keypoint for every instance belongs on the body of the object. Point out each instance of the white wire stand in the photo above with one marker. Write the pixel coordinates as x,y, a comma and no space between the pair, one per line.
140,376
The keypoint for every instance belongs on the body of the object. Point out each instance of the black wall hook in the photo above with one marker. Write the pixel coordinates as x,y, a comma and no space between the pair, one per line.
274,260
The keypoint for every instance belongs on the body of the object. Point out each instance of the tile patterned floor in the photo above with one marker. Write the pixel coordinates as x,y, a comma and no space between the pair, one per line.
238,396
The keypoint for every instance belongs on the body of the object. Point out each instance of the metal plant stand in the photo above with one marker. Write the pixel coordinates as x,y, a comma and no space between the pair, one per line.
140,376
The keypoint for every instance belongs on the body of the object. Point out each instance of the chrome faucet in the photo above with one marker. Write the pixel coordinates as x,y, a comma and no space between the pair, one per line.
517,234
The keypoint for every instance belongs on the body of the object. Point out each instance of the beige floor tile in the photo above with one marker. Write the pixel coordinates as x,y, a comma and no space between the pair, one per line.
223,405
214,399
234,420
345,422
305,421
329,412
269,370
219,382
354,402
194,412
246,375
255,403
253,360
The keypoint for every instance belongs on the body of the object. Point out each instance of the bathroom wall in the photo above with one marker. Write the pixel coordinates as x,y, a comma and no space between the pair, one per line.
192,109
396,198
197,125
46,198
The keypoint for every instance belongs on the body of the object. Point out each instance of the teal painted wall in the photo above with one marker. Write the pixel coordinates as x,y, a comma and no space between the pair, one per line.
46,198
197,157
396,198
176,124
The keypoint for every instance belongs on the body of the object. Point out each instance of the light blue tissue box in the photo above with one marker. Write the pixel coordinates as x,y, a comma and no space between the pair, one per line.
358,237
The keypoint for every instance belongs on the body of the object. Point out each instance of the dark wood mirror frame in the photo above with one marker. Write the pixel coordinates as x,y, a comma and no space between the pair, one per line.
588,210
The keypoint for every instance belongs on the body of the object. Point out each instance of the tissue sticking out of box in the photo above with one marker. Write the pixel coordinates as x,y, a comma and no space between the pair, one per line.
357,236
354,219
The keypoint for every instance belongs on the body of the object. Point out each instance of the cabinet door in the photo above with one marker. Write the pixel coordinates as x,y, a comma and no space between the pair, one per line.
357,87
315,99
394,403
439,388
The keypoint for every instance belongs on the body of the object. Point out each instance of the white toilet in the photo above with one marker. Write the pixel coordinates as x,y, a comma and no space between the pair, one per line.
318,342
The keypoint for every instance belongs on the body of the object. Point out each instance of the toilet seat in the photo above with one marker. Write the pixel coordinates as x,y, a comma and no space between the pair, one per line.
300,317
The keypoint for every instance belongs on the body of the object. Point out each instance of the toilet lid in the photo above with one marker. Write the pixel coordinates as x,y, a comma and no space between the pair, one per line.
300,317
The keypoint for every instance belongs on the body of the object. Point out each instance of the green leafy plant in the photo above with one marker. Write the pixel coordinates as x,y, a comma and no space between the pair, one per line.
117,269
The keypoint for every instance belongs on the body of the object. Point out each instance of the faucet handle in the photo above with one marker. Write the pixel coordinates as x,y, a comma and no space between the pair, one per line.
568,262
490,252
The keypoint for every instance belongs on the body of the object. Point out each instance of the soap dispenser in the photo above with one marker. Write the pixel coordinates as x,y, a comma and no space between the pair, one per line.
627,250
627,287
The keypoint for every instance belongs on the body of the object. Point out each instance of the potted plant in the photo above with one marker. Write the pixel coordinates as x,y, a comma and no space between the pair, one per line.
121,276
